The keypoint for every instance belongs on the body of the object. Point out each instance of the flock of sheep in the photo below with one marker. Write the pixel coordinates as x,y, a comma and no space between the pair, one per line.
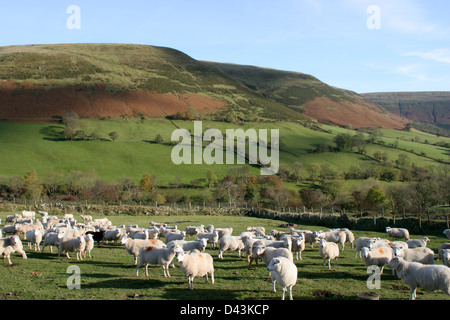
410,259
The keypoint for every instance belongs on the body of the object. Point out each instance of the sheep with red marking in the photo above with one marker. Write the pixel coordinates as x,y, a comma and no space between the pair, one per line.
157,255
379,257
134,246
196,264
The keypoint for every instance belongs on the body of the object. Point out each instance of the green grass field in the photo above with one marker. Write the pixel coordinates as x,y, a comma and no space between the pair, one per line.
110,274
37,146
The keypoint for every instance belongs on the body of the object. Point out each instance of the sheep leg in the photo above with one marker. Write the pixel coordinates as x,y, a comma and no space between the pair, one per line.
283,292
290,293
67,255
413,293
146,269
206,278
274,289
212,277
190,283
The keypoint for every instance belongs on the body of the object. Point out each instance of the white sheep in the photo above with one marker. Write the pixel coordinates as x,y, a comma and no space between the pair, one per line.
363,242
268,253
171,236
11,245
193,231
76,245
259,231
134,246
222,232
441,249
156,255
379,257
113,235
196,264
328,251
417,243
187,246
415,274
298,246
230,243
285,273
34,238
213,238
52,239
335,236
397,233
420,254
89,238
350,237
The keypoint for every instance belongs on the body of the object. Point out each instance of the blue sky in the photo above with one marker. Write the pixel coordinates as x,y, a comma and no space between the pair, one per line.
406,48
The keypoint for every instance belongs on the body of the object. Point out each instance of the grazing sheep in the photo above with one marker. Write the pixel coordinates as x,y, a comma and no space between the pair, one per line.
333,236
96,235
89,245
213,238
417,243
113,235
196,264
420,254
230,243
397,233
277,234
415,274
285,273
259,231
193,231
134,246
29,214
350,237
222,232
175,236
86,218
76,245
379,257
187,246
298,246
252,243
328,251
10,229
11,245
34,238
52,239
156,255
268,253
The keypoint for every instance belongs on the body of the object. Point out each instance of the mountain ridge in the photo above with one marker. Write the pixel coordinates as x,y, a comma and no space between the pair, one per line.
112,80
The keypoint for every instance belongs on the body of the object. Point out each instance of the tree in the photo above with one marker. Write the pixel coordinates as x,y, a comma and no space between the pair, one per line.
211,179
113,135
376,196
297,171
424,194
71,121
159,139
146,183
313,198
343,141
31,186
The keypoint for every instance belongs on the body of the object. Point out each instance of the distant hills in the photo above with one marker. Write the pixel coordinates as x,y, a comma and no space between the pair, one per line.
41,82
428,107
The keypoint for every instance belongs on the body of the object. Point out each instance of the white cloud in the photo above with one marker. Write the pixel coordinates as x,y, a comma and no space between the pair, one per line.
438,55
413,71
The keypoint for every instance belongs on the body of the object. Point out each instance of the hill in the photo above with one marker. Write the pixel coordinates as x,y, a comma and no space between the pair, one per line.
428,107
305,93
41,82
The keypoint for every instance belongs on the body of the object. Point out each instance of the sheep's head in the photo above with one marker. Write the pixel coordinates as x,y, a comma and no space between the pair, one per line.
180,255
204,243
274,264
395,262
397,251
446,255
365,252
322,243
258,250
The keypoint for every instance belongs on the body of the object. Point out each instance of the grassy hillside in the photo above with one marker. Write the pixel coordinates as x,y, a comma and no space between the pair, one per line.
429,107
39,82
38,146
